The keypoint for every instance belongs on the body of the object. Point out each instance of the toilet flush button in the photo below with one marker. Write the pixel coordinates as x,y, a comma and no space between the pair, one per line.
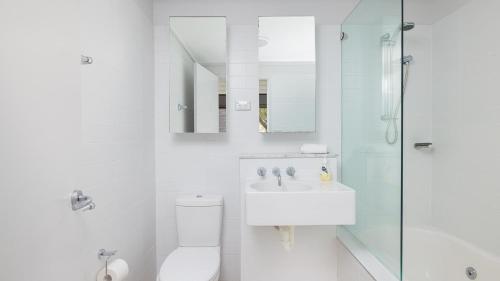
199,196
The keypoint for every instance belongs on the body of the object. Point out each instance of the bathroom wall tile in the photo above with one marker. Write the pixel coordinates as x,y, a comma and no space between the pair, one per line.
230,270
237,69
231,237
189,163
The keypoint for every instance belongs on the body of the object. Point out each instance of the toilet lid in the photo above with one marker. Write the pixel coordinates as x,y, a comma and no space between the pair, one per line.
191,264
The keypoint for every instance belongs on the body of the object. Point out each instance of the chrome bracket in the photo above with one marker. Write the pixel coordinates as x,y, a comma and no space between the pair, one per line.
423,145
86,60
104,254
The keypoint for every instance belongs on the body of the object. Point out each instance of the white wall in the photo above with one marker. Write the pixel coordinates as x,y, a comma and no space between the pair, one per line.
181,87
417,187
291,96
466,118
209,163
65,126
39,127
206,100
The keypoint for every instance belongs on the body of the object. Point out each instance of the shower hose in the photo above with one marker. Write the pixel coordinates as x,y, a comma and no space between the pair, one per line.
392,122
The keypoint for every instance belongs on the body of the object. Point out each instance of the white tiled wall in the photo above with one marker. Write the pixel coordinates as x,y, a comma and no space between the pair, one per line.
418,127
209,163
66,126
466,124
118,131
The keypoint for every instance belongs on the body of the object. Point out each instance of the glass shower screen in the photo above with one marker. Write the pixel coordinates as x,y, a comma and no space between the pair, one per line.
371,126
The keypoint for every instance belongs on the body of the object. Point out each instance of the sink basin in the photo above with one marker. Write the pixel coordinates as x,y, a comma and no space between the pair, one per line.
285,187
298,203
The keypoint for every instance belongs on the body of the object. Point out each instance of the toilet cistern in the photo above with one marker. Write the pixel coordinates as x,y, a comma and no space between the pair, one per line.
277,173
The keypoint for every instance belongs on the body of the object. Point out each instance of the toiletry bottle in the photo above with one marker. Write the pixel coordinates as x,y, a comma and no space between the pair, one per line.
325,174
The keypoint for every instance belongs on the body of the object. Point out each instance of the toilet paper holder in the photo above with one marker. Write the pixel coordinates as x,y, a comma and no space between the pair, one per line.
104,254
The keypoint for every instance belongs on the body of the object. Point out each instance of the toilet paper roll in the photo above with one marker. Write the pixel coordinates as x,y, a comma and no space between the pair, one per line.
117,271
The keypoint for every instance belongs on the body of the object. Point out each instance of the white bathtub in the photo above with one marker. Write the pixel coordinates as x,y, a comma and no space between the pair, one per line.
428,255
432,255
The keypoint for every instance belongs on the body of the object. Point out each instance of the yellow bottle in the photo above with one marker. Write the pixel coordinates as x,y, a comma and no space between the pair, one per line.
325,175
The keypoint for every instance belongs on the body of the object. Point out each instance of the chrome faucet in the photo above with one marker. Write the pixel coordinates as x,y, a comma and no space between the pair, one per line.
277,173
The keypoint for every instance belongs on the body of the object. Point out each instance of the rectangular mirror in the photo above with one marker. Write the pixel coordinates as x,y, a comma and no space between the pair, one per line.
197,74
287,74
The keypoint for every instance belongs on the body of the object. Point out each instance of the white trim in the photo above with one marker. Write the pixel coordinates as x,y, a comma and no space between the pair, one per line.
374,267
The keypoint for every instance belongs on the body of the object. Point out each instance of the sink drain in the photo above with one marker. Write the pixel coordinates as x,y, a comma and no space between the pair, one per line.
471,273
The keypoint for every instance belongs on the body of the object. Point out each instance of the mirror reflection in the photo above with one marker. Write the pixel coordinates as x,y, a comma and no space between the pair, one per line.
197,74
287,74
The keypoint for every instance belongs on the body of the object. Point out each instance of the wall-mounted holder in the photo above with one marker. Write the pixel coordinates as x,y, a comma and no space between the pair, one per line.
81,202
181,107
423,145
106,255
86,60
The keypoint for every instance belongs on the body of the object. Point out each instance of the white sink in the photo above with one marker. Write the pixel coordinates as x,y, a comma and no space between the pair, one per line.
299,203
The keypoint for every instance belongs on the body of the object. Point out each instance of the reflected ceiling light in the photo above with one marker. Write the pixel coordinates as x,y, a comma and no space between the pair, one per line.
263,41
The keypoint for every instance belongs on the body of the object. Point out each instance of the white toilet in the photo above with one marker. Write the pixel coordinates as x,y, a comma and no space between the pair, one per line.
199,221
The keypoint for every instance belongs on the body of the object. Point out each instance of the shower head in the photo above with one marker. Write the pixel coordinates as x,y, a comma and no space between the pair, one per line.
407,59
407,26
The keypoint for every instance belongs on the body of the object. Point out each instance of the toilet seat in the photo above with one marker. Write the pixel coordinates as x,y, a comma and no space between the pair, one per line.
191,264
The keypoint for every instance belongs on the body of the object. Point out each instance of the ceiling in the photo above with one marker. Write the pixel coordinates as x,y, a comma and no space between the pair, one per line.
246,12
289,39
203,37
430,11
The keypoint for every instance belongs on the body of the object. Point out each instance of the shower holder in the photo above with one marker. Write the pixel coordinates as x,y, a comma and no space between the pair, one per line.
86,60
422,145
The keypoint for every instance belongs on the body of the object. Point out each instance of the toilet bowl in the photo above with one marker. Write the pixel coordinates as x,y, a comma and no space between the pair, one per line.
199,221
191,264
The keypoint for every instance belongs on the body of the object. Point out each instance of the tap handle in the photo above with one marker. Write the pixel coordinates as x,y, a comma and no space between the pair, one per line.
81,202
276,171
290,171
261,172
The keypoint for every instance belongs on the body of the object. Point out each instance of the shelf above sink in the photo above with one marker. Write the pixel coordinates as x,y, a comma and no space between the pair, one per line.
299,203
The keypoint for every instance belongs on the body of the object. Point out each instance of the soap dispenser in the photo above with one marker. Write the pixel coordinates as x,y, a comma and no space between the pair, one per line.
325,175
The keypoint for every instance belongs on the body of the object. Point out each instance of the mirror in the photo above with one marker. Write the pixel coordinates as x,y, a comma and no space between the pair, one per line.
287,74
197,74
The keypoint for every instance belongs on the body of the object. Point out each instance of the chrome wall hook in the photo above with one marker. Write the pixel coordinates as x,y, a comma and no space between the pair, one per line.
86,60
181,107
